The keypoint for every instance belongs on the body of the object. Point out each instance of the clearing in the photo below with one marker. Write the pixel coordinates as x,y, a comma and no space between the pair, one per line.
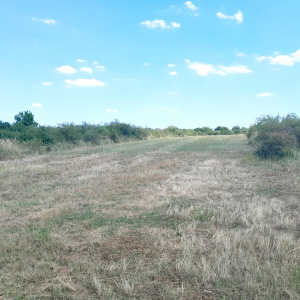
180,218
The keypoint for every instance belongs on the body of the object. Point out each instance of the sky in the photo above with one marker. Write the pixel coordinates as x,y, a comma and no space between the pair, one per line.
149,63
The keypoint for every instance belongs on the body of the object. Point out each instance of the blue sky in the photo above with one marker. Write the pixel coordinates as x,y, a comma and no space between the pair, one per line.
149,63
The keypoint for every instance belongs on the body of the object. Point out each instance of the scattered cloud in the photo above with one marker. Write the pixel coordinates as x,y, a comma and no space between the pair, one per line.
285,60
175,25
190,5
111,110
160,24
46,21
203,69
146,64
173,93
266,94
101,68
86,69
81,60
66,70
85,82
262,58
47,83
95,62
238,16
173,73
241,54
234,69
36,105
171,65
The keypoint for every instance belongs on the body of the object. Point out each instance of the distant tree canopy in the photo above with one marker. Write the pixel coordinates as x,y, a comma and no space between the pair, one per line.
26,130
26,118
4,125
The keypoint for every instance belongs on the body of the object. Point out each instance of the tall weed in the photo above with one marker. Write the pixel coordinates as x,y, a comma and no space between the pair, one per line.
9,148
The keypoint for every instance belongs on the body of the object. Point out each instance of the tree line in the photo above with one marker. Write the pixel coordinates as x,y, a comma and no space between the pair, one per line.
25,129
271,137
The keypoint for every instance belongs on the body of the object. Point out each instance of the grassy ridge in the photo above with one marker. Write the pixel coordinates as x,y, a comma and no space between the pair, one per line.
188,218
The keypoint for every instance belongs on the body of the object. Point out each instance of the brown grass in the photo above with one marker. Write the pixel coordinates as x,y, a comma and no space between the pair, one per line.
192,218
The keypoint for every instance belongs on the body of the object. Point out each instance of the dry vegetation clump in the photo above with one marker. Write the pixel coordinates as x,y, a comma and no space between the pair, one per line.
191,218
9,148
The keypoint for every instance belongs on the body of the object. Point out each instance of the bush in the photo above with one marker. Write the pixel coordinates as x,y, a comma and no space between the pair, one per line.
276,145
275,137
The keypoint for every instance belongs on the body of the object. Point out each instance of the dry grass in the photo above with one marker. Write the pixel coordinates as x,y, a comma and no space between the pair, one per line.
9,148
191,218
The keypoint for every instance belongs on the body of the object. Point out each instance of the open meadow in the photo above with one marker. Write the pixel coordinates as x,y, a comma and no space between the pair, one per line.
178,218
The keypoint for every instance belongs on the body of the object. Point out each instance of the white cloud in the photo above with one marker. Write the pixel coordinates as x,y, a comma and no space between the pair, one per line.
266,94
85,82
173,73
66,70
162,107
175,25
101,68
241,54
235,69
296,55
46,21
36,105
171,65
160,24
261,58
203,69
95,62
81,60
285,60
47,83
86,69
190,5
238,16
155,24
173,93
146,64
111,110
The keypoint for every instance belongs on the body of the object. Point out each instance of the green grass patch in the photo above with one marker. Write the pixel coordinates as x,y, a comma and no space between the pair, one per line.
296,278
41,234
159,217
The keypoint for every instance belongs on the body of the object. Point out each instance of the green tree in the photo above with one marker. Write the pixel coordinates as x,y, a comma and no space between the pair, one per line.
236,129
26,118
4,125
222,130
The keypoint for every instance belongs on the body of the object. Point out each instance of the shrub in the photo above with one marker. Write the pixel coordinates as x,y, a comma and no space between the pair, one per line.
275,137
276,145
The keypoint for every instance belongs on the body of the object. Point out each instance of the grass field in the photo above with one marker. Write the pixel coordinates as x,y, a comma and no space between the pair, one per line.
186,218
